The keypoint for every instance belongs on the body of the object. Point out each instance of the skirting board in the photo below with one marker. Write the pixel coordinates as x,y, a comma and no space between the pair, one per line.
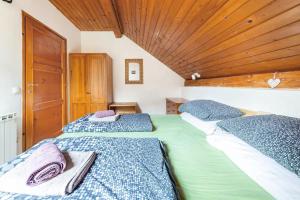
288,80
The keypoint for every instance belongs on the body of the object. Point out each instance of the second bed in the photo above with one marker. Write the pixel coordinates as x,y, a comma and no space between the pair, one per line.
201,171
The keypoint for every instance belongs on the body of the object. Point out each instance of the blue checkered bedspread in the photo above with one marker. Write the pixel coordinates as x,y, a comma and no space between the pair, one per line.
125,168
126,123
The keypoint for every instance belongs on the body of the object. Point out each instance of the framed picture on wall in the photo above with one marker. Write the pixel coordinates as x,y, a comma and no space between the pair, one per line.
134,71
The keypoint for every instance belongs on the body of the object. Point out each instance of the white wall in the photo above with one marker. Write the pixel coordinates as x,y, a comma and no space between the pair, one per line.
11,45
284,102
159,81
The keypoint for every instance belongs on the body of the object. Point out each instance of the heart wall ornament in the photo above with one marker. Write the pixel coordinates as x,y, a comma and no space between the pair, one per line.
274,82
195,76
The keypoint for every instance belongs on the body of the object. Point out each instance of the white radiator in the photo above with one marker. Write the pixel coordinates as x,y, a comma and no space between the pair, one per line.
8,137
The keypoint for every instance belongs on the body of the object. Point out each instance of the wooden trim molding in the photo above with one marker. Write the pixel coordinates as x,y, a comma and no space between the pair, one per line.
23,82
140,62
289,79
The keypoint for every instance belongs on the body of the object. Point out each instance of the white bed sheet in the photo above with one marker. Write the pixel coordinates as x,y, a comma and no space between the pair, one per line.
281,183
208,127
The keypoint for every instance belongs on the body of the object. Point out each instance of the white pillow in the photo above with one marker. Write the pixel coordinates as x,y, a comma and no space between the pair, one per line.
281,183
208,127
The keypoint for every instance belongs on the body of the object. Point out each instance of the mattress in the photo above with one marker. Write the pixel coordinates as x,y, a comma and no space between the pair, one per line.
200,170
125,168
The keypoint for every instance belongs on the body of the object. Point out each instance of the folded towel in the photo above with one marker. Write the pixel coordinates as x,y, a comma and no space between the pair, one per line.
45,163
78,164
114,118
105,113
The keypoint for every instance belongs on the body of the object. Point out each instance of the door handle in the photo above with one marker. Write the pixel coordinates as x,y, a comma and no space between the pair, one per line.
30,86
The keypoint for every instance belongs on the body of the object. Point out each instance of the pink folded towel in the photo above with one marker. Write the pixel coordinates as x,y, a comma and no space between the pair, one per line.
44,164
105,113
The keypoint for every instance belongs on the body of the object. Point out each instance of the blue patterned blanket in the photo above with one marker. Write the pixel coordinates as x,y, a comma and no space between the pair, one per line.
126,123
125,168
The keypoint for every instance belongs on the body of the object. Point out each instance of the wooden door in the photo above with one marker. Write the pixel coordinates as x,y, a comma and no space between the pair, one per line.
80,86
45,82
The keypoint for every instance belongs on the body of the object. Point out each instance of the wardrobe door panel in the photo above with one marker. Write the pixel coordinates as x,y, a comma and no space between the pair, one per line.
80,97
97,78
79,110
109,79
98,106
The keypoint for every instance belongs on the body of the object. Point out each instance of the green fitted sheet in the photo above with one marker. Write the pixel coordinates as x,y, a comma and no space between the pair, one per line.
201,171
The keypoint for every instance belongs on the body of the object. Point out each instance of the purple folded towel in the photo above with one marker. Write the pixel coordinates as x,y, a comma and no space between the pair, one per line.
44,164
105,113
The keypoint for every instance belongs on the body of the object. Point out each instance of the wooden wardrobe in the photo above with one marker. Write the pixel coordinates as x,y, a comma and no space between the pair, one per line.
91,83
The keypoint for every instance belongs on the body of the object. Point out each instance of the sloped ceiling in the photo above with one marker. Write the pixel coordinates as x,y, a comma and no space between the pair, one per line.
216,38
90,15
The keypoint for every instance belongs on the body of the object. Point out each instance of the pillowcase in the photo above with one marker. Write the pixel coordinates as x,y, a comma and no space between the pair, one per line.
209,110
275,136
208,127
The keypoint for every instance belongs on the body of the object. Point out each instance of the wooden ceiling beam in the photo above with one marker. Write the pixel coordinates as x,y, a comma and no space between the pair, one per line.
110,10
288,80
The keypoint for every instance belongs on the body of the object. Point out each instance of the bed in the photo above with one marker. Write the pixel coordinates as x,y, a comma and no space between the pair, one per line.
125,168
126,123
200,170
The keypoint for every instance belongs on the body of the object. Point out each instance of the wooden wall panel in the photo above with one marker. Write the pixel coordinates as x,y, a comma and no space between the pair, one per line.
216,38
288,80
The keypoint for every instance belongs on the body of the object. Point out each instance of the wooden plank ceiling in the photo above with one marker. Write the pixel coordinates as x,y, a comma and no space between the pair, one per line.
90,15
216,38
